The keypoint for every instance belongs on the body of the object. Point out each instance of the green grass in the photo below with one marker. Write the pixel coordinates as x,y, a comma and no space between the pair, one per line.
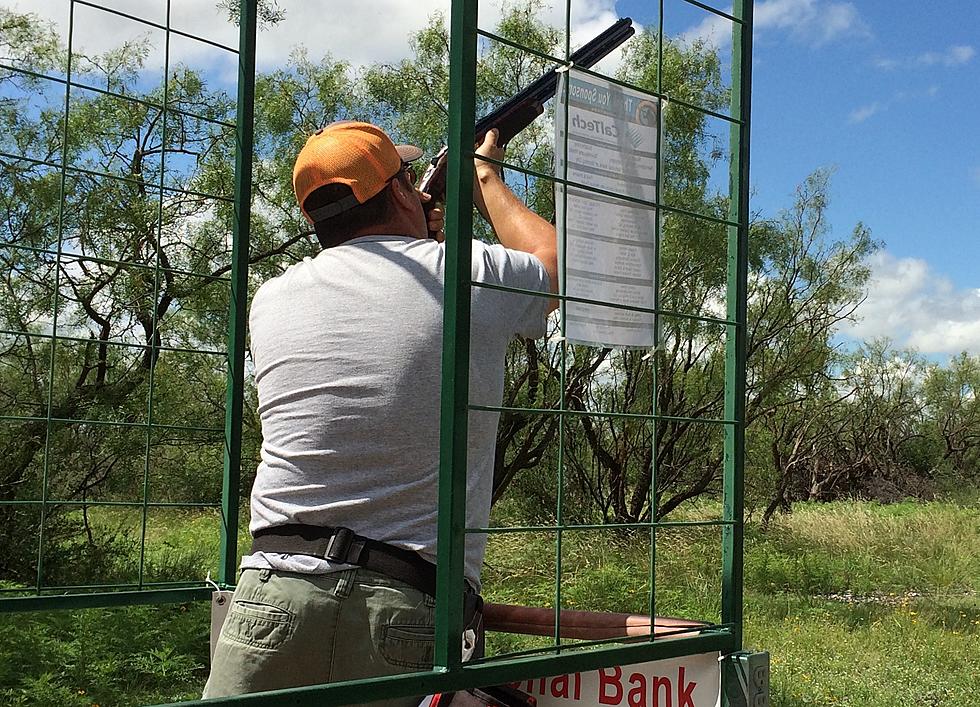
863,604
860,605
106,657
917,653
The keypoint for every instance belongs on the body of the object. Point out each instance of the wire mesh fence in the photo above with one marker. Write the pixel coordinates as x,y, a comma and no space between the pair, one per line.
125,254
119,184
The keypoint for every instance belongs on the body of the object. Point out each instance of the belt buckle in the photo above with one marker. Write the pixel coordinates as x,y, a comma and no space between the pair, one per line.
338,547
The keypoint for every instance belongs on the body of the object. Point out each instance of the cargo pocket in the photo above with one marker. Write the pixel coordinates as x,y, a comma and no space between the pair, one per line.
409,646
257,624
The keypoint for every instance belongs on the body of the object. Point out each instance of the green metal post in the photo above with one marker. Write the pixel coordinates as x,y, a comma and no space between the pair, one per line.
456,341
732,535
239,293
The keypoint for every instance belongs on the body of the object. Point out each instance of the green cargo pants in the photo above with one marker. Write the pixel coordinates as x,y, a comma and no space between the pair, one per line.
286,629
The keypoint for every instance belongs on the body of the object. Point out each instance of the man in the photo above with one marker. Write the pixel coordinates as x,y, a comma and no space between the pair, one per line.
347,351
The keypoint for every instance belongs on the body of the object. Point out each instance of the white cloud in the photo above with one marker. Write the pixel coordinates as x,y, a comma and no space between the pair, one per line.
862,113
361,33
380,30
588,20
814,22
914,306
713,30
961,54
859,115
955,55
96,31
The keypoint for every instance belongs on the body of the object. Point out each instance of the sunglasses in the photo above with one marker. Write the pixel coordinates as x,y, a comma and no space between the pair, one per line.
406,168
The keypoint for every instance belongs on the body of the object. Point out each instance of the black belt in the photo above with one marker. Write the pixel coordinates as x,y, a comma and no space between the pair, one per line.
343,545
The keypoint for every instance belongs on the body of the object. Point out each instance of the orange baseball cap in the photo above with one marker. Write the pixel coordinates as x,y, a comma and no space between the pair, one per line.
349,152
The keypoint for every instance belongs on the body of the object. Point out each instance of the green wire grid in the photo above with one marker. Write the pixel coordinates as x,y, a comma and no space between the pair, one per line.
143,590
449,672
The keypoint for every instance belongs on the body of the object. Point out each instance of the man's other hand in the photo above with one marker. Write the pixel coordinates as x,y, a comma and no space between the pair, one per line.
486,173
435,218
490,149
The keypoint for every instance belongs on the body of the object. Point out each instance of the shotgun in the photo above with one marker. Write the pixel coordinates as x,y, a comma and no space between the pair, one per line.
521,110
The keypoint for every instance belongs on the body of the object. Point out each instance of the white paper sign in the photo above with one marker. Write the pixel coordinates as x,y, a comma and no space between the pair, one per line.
689,681
607,244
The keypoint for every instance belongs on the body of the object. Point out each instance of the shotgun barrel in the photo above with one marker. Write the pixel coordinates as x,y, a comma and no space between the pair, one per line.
544,87
520,111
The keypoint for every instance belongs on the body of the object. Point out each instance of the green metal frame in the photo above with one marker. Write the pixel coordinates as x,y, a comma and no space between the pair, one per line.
45,597
238,316
449,672
738,238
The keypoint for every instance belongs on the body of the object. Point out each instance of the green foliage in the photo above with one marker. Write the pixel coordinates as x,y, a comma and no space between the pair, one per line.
28,40
143,296
824,425
693,75
952,398
803,284
410,99
109,657
268,12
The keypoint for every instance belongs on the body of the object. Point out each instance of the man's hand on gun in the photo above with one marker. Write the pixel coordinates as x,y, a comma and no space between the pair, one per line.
489,148
486,172
435,217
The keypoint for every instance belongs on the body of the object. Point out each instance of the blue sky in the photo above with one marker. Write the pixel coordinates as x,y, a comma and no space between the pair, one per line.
885,93
893,106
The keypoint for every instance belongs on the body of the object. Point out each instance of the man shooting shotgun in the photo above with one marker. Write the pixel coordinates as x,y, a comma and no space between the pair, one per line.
521,110
340,580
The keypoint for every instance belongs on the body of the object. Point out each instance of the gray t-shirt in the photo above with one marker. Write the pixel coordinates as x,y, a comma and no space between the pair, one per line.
347,349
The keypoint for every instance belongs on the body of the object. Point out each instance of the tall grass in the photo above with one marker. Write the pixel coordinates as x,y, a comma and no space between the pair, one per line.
868,548
860,605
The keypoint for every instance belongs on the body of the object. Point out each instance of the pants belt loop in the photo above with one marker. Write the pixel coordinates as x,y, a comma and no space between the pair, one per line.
345,583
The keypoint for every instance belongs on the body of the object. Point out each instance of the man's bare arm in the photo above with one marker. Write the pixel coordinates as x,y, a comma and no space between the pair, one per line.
516,225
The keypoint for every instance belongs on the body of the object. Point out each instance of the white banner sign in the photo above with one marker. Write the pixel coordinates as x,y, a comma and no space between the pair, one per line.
690,681
608,244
